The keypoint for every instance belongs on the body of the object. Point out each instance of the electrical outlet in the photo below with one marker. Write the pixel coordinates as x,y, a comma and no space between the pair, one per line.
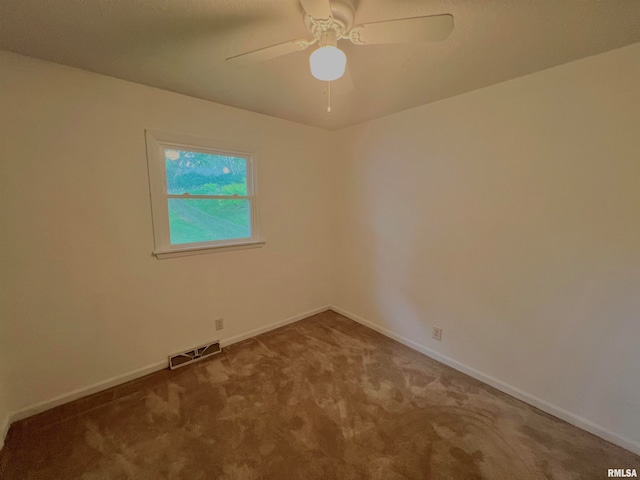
219,324
437,333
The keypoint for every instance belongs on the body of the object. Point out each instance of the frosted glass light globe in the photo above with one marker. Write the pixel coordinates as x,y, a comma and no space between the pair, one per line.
328,63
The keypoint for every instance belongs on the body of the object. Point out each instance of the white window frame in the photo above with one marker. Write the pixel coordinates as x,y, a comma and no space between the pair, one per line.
157,141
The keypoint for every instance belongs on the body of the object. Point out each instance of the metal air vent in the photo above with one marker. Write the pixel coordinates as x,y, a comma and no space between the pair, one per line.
193,355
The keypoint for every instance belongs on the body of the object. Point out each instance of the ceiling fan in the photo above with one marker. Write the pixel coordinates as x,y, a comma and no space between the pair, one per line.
330,21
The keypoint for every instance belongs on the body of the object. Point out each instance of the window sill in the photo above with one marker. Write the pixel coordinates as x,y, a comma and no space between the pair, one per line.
183,252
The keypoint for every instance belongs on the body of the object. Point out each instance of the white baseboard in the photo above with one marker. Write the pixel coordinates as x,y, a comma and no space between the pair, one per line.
4,429
141,372
543,405
86,391
272,326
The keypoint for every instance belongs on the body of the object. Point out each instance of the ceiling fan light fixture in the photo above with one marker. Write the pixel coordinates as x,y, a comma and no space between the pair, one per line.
328,63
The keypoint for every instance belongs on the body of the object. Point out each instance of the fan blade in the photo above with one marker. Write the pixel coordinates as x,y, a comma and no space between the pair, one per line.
434,28
317,8
268,53
344,84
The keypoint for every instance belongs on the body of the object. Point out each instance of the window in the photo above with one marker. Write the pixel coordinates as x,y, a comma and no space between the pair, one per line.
202,196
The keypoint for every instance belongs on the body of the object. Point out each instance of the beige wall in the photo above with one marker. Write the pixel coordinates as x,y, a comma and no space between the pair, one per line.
510,217
84,300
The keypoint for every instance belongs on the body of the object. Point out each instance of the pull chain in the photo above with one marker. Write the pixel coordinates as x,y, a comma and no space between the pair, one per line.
329,97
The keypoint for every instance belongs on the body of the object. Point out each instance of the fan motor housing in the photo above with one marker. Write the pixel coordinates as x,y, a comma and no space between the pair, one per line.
343,14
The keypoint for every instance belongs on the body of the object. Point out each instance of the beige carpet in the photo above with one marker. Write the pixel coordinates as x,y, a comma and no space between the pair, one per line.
324,398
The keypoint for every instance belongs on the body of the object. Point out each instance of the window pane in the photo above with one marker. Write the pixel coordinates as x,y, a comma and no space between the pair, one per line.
198,220
204,173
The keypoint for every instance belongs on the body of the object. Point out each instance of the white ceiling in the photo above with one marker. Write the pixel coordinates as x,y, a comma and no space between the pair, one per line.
181,45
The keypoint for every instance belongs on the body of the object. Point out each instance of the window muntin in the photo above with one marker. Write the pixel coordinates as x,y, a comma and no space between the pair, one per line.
201,196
